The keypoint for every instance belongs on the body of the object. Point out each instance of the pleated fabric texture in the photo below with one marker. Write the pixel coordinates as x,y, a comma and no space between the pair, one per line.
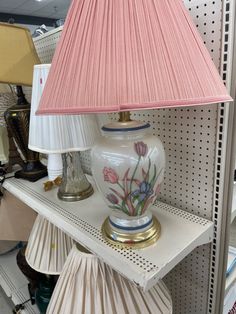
58,134
128,55
88,286
48,247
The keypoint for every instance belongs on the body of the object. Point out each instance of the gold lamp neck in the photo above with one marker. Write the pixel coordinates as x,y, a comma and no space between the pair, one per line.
124,116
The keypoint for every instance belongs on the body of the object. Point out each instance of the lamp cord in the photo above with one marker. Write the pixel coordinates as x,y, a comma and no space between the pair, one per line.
19,307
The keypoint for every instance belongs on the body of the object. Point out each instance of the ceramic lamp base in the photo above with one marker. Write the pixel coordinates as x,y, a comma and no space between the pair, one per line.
140,239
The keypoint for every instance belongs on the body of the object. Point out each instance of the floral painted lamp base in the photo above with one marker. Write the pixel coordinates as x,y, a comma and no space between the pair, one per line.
128,167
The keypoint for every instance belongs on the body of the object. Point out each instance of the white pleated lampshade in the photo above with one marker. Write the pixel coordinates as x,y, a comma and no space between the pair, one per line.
58,134
48,247
88,286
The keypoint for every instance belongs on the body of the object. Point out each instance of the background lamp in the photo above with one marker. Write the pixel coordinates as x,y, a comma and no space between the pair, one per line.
7,99
18,56
117,56
87,285
66,135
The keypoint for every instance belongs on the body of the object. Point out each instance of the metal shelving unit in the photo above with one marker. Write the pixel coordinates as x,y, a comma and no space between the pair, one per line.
197,142
181,231
14,283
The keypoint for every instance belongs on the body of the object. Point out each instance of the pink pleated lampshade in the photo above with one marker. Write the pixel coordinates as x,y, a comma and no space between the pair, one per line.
128,55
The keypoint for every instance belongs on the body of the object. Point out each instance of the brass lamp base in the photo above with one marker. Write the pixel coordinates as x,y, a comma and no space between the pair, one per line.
73,197
132,240
17,120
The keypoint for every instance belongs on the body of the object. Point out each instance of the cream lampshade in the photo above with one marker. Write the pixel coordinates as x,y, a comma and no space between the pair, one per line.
87,285
56,135
47,248
117,56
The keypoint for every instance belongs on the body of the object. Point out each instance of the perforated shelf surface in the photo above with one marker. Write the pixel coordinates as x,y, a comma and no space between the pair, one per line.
181,231
14,283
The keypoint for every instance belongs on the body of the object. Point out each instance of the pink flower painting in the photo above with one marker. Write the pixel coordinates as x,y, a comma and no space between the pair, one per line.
141,148
133,194
110,175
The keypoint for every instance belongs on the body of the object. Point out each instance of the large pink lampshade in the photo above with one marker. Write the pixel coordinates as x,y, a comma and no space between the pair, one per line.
128,55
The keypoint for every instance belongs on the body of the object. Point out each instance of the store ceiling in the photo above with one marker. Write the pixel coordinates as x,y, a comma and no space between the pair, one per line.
54,9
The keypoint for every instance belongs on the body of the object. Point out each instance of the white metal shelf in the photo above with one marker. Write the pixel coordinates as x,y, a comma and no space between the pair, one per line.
181,231
233,210
14,282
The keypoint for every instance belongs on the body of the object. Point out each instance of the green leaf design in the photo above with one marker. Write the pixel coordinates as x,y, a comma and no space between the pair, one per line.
117,193
124,208
154,177
153,183
139,208
149,166
135,197
115,207
125,182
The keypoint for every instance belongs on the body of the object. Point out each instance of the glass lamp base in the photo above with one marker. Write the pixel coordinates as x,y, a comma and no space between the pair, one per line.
135,239
74,186
73,197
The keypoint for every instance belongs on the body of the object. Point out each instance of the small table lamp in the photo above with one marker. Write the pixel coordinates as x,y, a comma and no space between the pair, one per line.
47,248
116,56
18,56
87,285
67,135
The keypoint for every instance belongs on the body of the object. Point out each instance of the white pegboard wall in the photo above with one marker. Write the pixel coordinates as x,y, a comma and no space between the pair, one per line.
207,17
189,137
191,140
46,45
45,50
